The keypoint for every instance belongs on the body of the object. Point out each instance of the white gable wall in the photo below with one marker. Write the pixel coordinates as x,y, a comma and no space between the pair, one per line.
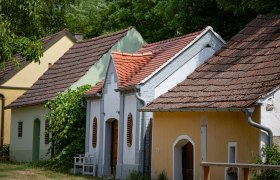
270,116
111,99
95,107
179,75
130,106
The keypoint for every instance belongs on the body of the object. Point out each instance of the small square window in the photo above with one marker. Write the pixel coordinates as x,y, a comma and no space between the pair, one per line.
20,129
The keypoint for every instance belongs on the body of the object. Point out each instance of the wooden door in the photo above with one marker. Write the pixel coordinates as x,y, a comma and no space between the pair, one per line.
114,147
36,141
187,161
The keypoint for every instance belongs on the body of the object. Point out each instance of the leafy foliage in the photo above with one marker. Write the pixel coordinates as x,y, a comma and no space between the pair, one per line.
272,156
23,22
136,175
67,124
12,44
162,176
5,150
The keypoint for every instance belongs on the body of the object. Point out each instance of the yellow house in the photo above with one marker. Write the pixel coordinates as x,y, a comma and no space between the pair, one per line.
225,111
15,81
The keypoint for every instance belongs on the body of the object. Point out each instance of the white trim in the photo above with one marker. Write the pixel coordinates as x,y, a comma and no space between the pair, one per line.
232,144
208,28
183,137
263,97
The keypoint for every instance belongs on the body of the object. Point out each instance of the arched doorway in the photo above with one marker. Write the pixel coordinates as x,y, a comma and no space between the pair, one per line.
111,147
183,158
36,140
114,147
187,161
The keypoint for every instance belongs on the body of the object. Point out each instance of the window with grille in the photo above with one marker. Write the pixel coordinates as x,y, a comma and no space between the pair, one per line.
20,129
47,136
129,130
94,132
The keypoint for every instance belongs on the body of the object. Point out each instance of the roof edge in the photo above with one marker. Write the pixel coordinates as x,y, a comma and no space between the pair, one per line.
194,110
206,30
62,33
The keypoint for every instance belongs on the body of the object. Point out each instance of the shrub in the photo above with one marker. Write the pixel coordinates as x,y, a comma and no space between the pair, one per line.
67,124
136,175
272,156
162,176
5,150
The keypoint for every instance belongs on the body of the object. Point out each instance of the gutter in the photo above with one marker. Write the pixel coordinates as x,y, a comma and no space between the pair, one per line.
2,120
144,102
249,113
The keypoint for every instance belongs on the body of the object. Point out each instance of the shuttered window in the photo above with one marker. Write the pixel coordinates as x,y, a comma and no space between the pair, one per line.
20,129
129,130
47,136
94,132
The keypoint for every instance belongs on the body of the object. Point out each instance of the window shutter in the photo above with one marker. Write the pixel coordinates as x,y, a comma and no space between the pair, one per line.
129,130
20,129
47,137
94,132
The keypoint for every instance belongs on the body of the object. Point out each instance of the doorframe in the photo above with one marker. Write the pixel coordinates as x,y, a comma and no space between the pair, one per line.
107,145
34,159
180,142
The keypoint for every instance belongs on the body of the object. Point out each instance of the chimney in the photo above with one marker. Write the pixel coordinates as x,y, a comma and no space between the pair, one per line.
78,36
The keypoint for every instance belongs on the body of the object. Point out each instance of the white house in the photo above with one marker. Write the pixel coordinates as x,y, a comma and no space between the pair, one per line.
117,134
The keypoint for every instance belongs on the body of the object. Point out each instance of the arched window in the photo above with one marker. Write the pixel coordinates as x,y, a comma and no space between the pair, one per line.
94,132
129,130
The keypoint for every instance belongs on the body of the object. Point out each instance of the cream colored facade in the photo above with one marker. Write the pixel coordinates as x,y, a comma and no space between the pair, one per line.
27,76
174,129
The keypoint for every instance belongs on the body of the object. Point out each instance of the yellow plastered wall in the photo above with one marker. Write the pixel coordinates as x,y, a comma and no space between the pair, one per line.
9,96
222,128
29,74
26,77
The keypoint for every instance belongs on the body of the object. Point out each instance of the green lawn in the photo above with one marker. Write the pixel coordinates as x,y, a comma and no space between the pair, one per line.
28,171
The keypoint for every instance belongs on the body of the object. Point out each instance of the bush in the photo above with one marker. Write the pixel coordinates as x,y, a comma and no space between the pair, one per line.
162,176
136,175
67,124
5,150
272,156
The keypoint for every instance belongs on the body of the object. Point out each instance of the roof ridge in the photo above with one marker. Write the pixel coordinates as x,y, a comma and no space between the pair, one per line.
172,39
268,16
105,35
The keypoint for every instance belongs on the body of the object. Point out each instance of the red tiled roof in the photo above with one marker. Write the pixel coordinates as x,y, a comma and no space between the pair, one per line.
245,69
96,89
48,41
132,68
69,68
128,65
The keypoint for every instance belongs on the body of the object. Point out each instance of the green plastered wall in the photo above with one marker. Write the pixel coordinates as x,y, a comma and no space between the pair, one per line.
21,148
130,43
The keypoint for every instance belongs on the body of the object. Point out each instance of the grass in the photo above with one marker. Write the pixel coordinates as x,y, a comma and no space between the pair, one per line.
26,171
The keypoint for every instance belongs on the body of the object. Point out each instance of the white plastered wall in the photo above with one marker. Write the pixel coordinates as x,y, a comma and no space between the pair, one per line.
270,115
21,147
179,75
130,106
94,112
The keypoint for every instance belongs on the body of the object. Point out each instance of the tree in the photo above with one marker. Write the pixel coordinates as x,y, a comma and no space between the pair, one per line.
12,44
67,124
24,22
272,157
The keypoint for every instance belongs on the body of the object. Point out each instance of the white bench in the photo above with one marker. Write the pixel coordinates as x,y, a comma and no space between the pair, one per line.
86,162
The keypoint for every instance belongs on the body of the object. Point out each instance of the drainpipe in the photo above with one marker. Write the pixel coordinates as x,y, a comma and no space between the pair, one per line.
144,102
2,119
249,113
